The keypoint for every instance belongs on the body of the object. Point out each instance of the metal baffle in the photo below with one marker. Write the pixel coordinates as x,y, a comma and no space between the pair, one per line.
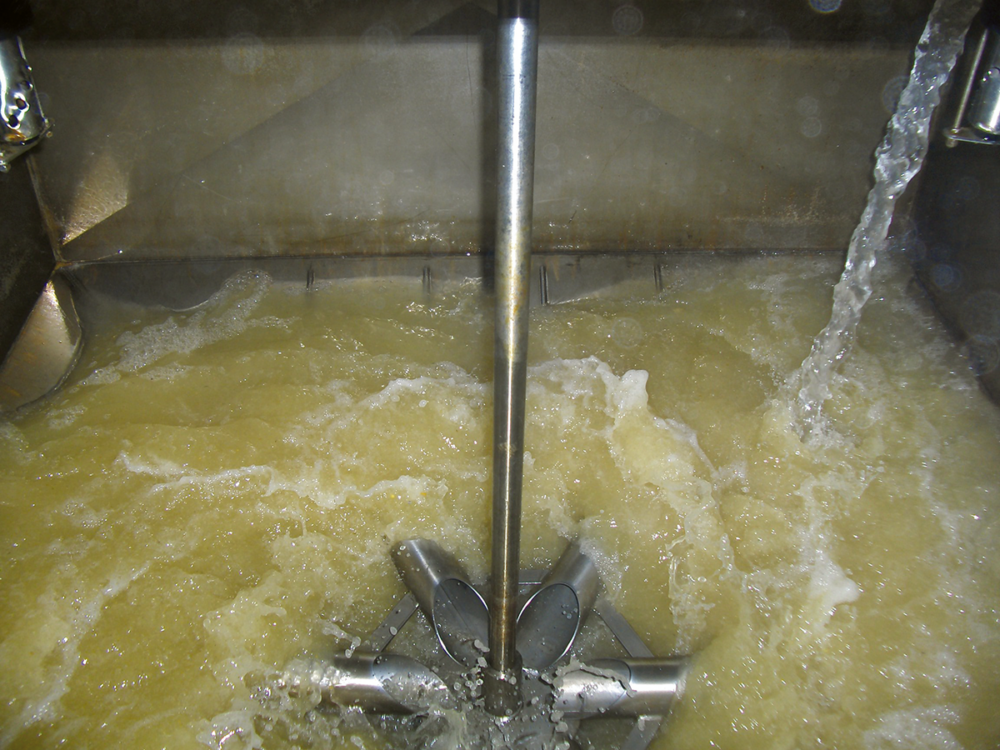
517,49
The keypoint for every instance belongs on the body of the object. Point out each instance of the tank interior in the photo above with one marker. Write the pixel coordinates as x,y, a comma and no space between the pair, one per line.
258,245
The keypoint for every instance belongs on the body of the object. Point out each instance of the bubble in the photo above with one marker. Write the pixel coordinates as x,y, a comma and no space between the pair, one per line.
627,20
891,92
807,106
243,54
811,127
626,332
550,151
825,6
980,315
946,277
386,177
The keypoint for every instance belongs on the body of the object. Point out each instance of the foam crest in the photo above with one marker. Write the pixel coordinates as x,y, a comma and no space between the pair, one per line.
55,660
814,579
828,584
227,729
914,729
652,452
225,315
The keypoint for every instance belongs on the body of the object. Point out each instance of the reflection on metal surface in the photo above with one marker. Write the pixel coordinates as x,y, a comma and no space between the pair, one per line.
977,119
455,609
45,351
381,155
23,122
104,190
620,687
517,59
382,683
551,619
984,109
187,282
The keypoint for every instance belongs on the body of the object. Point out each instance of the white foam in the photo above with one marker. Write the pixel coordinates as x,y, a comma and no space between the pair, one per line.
45,704
102,376
914,729
224,315
63,418
828,584
168,373
648,451
233,729
660,512
15,444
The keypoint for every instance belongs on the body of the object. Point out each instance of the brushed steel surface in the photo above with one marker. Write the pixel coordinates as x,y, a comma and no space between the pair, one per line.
517,50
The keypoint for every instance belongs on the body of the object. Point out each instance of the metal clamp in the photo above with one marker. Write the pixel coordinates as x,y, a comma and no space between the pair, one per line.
22,122
978,117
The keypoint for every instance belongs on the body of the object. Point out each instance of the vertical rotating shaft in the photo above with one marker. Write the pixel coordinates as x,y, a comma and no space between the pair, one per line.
517,48
539,696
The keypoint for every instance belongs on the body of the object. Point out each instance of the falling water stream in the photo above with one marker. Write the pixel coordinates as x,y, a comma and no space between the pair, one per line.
897,160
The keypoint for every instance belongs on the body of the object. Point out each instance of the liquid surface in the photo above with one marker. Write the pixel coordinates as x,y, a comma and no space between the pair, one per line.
214,493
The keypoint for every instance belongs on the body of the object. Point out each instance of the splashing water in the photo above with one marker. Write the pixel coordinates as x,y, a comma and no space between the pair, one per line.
897,160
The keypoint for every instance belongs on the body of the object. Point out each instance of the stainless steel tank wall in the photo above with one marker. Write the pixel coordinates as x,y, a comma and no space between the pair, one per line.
26,257
952,236
245,129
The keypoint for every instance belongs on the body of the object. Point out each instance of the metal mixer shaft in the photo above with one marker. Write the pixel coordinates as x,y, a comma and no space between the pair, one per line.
529,694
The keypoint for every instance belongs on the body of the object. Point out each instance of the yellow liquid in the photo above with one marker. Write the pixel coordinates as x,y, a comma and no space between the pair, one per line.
214,494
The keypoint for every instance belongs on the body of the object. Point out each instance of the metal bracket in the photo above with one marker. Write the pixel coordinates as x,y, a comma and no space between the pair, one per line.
22,123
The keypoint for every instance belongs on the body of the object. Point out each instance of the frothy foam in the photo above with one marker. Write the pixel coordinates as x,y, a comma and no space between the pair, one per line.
257,509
